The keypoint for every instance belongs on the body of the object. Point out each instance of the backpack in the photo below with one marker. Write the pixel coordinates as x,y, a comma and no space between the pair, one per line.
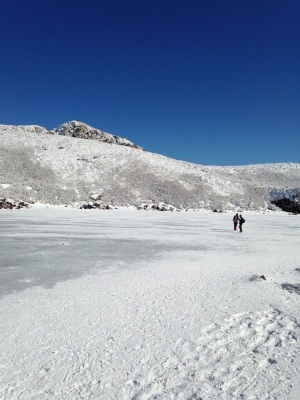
243,221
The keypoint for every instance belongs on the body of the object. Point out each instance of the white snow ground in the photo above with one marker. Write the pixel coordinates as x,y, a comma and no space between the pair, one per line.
143,305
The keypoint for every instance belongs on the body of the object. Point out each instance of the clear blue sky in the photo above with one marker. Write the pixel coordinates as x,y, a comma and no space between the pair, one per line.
207,81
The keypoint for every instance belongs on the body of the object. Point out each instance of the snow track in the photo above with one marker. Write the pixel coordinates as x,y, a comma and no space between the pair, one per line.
230,360
247,356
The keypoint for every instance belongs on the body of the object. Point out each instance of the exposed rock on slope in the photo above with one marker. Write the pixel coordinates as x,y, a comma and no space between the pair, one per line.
58,169
81,130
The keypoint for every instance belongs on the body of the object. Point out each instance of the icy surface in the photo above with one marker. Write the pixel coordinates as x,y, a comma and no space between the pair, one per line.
146,305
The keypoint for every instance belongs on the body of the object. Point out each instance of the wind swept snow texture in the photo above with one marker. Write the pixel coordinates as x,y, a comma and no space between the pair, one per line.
135,305
39,166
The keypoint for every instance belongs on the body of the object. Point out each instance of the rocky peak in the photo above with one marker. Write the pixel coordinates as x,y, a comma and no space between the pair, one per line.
81,130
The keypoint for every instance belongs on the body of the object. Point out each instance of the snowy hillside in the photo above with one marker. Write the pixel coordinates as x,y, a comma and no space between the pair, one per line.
53,167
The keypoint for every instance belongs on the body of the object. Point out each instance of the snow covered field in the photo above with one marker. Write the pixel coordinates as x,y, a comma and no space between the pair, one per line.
143,305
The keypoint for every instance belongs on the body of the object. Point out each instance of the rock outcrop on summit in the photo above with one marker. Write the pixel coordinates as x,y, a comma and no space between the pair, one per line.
63,167
81,130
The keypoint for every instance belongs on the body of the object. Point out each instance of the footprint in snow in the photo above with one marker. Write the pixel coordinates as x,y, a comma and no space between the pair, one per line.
291,288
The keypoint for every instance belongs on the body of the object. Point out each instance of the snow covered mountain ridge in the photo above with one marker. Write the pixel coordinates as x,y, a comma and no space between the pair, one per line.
59,167
77,129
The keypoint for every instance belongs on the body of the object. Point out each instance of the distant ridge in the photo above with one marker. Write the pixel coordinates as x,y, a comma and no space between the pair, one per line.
75,129
59,167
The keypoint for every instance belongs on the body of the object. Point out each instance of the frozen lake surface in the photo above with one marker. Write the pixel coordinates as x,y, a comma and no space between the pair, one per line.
130,304
43,247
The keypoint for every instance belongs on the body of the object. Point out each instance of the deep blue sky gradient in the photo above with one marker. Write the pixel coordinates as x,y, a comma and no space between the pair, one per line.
211,82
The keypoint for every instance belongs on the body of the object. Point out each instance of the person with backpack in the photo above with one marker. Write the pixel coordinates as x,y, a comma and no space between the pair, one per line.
241,222
235,221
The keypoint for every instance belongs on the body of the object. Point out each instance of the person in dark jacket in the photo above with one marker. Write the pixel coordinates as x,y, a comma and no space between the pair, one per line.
235,221
241,221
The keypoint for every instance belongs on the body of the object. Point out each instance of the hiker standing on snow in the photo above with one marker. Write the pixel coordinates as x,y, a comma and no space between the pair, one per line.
235,221
241,221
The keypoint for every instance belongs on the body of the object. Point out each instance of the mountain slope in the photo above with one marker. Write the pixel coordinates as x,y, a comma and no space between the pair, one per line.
38,165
